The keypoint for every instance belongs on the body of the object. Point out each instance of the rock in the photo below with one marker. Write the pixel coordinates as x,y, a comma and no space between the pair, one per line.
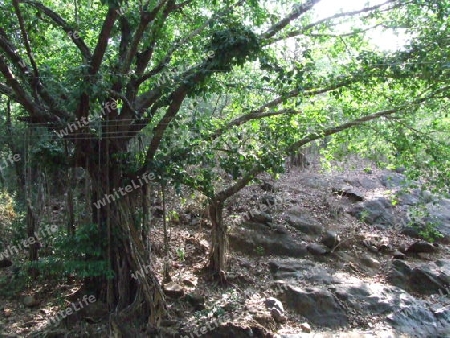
267,321
370,262
317,249
369,183
30,301
266,186
421,246
189,283
196,300
391,180
278,315
350,192
227,330
409,198
375,211
298,219
250,237
410,231
405,313
301,269
305,327
268,200
273,303
440,216
261,217
426,278
398,255
5,263
317,305
279,229
173,290
416,318
331,239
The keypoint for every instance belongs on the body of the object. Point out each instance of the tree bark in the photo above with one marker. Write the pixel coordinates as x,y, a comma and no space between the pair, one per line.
133,275
219,242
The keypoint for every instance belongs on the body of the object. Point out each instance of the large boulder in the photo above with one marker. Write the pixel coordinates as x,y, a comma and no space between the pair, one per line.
302,221
316,304
254,238
439,215
426,278
374,211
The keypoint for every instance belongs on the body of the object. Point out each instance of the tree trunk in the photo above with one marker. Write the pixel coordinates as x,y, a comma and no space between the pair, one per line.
219,246
33,248
139,298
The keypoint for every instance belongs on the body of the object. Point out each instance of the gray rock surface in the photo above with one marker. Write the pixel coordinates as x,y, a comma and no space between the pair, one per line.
300,220
249,237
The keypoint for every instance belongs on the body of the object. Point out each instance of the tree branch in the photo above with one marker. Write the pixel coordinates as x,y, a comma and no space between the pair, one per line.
335,16
242,182
356,122
25,37
158,132
255,115
102,41
297,12
21,95
145,19
261,111
78,41
177,44
4,89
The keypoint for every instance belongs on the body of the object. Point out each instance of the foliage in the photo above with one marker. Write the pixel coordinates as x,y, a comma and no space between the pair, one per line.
421,219
209,94
78,255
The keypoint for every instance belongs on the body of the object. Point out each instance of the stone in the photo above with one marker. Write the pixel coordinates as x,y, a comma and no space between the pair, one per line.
331,239
268,200
305,327
317,305
261,217
398,255
426,278
375,211
370,261
350,192
250,237
303,222
30,301
173,290
278,315
273,303
421,246
301,269
392,180
317,249
196,300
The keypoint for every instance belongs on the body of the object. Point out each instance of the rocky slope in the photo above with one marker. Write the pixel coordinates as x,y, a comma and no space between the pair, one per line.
311,255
